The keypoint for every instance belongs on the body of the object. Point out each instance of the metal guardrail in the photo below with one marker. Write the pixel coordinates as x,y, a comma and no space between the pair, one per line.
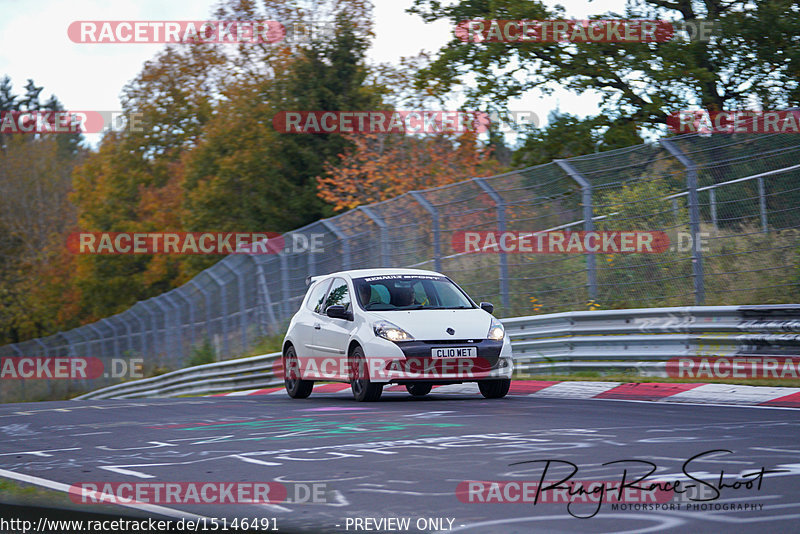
637,339
231,375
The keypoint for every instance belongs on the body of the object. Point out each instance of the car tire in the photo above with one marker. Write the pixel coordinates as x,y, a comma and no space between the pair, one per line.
494,389
295,386
363,389
419,389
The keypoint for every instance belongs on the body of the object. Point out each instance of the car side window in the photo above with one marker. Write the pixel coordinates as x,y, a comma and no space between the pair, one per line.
317,296
339,294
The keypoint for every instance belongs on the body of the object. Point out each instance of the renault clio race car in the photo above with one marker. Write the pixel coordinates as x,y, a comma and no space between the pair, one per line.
394,326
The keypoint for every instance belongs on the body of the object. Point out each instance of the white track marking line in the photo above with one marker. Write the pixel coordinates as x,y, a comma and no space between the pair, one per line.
60,486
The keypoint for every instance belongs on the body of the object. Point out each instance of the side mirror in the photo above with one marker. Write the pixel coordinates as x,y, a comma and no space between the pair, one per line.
337,311
488,307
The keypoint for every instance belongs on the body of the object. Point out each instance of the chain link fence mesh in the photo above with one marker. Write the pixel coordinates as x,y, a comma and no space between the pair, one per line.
738,195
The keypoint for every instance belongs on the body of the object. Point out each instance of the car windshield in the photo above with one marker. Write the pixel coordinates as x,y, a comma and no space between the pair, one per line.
409,292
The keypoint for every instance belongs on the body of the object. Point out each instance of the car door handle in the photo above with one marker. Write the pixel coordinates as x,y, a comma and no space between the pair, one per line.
317,326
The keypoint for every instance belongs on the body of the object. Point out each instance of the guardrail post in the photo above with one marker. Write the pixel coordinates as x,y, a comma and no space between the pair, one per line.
430,208
500,205
694,218
383,230
588,222
224,299
762,204
341,236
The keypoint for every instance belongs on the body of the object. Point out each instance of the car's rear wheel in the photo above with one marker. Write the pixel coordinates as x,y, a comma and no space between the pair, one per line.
494,389
363,389
419,389
295,386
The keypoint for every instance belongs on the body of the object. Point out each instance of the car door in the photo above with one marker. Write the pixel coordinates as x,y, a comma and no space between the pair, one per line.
307,321
330,340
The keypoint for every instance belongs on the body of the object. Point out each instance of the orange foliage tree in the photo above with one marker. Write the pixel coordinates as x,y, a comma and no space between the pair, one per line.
382,166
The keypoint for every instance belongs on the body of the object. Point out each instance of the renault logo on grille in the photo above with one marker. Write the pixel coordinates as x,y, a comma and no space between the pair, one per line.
450,331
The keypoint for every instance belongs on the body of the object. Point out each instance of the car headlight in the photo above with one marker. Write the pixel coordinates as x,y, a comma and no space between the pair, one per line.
391,331
496,330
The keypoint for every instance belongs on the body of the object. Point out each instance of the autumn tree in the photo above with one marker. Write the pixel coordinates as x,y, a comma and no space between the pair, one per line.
382,166
36,293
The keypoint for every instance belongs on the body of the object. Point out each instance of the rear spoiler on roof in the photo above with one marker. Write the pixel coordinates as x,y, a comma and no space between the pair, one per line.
311,279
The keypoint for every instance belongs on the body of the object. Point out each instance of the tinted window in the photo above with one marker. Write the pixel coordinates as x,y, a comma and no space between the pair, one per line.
409,292
339,294
315,299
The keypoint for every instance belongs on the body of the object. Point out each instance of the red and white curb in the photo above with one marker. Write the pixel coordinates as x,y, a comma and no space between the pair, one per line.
695,393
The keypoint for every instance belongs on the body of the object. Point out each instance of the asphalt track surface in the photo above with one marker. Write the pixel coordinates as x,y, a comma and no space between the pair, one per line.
404,457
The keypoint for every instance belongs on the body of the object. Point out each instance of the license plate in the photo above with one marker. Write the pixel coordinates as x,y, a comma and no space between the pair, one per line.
455,352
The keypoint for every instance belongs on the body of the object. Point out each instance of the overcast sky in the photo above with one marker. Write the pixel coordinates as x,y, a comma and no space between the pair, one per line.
34,44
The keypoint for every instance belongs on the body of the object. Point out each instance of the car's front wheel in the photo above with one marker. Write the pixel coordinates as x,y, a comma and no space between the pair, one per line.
419,389
363,389
494,389
295,386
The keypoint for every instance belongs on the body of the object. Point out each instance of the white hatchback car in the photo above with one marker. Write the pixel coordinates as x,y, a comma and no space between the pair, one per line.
400,326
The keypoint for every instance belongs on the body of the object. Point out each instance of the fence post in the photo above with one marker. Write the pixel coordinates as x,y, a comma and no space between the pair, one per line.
284,283
382,229
430,208
242,307
143,330
97,331
263,292
127,325
694,218
327,223
190,305
712,200
153,328
762,204
114,339
169,340
588,221
224,299
177,323
207,302
500,205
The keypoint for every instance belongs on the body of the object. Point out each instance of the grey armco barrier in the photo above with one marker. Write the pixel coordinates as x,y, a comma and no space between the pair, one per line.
637,340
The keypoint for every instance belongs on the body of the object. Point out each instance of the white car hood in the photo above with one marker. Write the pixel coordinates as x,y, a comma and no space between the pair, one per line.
432,324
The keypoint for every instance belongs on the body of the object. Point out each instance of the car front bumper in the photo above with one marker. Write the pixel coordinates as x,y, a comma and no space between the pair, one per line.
411,361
